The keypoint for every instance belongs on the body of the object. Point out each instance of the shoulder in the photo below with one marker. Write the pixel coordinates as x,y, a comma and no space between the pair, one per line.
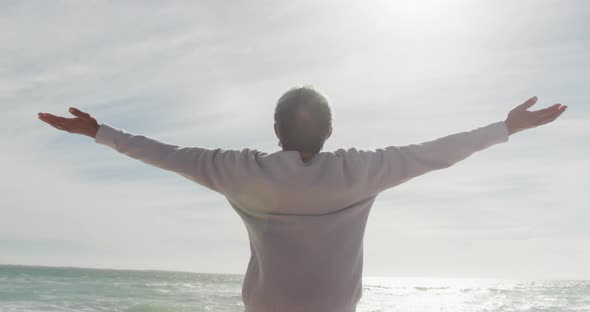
351,156
243,151
352,153
232,156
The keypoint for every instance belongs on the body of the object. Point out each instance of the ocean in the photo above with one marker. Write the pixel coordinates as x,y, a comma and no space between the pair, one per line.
30,288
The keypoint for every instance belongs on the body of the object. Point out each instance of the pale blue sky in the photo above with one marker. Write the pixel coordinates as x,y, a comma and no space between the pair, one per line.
208,74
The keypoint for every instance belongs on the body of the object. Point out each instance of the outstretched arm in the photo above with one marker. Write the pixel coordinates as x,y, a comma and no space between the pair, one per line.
388,167
211,168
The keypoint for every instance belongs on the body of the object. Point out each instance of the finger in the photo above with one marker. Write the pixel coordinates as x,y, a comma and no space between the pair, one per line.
76,112
53,118
528,103
54,124
56,121
544,115
58,126
49,116
64,126
547,110
552,117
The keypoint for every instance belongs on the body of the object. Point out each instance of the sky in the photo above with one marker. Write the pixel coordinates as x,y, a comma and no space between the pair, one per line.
209,73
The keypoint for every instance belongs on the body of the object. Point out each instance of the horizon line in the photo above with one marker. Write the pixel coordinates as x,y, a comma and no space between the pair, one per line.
41,266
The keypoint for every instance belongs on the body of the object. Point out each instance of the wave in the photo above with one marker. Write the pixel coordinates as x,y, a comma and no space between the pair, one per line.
155,307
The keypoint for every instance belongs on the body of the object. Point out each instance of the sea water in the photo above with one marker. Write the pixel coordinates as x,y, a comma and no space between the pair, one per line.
28,288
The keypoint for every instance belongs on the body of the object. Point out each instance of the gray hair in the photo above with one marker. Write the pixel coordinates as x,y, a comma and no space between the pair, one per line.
304,117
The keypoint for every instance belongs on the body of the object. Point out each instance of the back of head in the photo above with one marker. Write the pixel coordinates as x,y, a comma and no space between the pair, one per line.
304,119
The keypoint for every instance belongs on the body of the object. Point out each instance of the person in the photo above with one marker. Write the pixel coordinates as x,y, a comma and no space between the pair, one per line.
304,209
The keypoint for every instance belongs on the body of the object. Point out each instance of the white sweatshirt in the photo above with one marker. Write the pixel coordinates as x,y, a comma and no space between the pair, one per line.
305,220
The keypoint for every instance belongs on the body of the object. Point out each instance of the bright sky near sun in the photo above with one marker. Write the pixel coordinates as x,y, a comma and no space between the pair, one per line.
208,74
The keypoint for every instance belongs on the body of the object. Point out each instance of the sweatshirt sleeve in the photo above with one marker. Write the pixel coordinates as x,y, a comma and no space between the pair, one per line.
212,168
387,167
